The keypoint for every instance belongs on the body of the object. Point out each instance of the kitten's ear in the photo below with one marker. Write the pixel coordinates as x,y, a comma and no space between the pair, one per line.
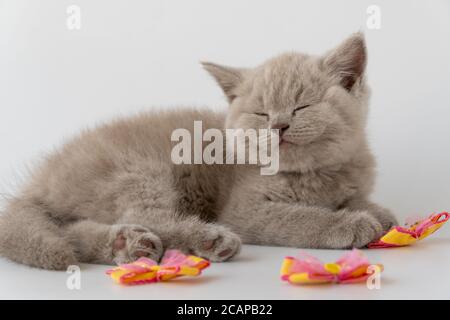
228,78
348,60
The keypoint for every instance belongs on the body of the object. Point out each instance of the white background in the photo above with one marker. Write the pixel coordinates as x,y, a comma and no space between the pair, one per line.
135,55
130,56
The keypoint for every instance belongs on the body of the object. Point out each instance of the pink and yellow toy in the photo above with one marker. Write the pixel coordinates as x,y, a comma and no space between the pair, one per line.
306,269
174,264
400,236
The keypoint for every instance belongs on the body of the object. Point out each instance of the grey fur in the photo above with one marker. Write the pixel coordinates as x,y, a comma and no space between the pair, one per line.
112,194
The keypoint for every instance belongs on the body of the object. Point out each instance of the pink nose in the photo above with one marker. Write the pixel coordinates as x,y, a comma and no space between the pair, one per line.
280,126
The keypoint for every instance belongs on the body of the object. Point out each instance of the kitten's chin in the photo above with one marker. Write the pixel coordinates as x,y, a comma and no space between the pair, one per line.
314,155
290,165
299,156
286,144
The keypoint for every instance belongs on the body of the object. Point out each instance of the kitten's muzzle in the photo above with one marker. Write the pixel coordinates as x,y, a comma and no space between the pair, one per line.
282,127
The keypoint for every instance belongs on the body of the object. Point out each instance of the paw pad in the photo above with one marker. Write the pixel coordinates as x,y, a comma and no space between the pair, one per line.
225,253
147,243
208,245
120,242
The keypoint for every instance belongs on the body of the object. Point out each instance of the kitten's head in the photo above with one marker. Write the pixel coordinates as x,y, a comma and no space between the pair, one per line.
319,103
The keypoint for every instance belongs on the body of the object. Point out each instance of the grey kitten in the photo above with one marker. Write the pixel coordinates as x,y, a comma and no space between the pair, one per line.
113,195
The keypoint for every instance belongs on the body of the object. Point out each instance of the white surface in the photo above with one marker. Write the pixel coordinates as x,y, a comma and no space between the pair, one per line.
416,272
131,56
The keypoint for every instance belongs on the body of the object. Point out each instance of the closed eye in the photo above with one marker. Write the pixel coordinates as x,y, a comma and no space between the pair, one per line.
262,115
300,108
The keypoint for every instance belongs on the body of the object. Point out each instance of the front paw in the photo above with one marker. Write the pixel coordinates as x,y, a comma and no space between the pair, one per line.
365,229
130,242
215,243
386,219
355,231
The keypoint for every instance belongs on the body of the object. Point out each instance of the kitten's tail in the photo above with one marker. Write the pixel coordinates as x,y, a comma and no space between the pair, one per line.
28,236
